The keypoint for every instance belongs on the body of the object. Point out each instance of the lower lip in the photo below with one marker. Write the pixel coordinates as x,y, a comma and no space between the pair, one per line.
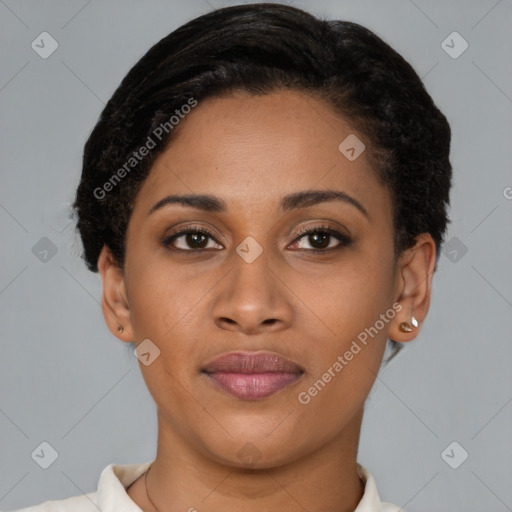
252,386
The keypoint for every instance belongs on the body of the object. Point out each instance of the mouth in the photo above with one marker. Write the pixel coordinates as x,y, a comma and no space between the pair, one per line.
252,375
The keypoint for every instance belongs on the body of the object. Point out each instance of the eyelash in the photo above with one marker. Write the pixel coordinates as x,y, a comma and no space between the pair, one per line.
322,229
344,240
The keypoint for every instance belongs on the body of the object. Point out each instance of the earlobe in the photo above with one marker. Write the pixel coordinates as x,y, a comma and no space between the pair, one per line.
114,301
414,285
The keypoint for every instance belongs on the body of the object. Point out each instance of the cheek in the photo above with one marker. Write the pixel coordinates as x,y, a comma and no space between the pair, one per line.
169,305
160,297
162,309
347,314
346,298
349,342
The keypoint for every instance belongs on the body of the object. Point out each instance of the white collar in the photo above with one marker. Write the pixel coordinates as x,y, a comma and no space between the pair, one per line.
115,478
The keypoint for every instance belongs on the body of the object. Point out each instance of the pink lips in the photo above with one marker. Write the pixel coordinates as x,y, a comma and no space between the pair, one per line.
252,375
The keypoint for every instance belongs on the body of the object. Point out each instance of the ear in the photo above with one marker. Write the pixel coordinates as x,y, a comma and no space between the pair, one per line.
114,301
413,286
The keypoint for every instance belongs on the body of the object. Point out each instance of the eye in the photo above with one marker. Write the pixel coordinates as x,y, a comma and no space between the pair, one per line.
197,238
320,238
193,238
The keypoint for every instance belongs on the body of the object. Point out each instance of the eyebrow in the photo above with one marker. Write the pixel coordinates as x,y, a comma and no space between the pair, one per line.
211,203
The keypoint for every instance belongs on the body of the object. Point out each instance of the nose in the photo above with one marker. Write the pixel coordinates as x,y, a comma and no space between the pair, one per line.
252,298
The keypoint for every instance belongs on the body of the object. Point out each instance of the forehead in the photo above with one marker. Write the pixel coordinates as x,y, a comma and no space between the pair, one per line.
253,150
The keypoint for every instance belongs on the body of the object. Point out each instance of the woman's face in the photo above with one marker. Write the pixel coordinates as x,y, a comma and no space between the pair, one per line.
254,283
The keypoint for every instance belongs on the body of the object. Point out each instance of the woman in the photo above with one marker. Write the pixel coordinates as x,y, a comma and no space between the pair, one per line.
264,197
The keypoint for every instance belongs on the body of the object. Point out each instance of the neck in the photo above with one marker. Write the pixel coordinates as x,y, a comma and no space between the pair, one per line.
324,480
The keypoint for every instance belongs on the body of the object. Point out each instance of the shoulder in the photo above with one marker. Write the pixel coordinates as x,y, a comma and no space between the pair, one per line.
82,503
110,496
389,507
371,501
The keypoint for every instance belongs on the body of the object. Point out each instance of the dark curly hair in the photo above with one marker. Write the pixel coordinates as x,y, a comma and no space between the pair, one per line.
262,48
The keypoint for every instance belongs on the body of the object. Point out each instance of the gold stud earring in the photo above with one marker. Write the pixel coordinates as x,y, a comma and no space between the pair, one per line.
120,329
406,326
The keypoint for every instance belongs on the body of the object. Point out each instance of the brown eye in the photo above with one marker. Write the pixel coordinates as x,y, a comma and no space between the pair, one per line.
190,239
321,239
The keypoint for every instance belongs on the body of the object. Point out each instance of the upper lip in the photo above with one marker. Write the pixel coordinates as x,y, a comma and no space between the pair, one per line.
252,362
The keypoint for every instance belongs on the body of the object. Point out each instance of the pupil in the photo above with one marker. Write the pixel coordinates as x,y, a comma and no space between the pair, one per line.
192,239
323,243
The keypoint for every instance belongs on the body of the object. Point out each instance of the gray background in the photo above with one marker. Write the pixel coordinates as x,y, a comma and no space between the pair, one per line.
65,380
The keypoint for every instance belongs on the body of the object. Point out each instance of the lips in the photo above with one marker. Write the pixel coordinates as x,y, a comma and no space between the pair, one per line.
252,375
252,362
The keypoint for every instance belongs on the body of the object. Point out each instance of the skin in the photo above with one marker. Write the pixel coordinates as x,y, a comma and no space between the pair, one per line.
252,151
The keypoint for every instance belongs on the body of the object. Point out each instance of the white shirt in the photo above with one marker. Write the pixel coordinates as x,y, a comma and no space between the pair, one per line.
111,495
